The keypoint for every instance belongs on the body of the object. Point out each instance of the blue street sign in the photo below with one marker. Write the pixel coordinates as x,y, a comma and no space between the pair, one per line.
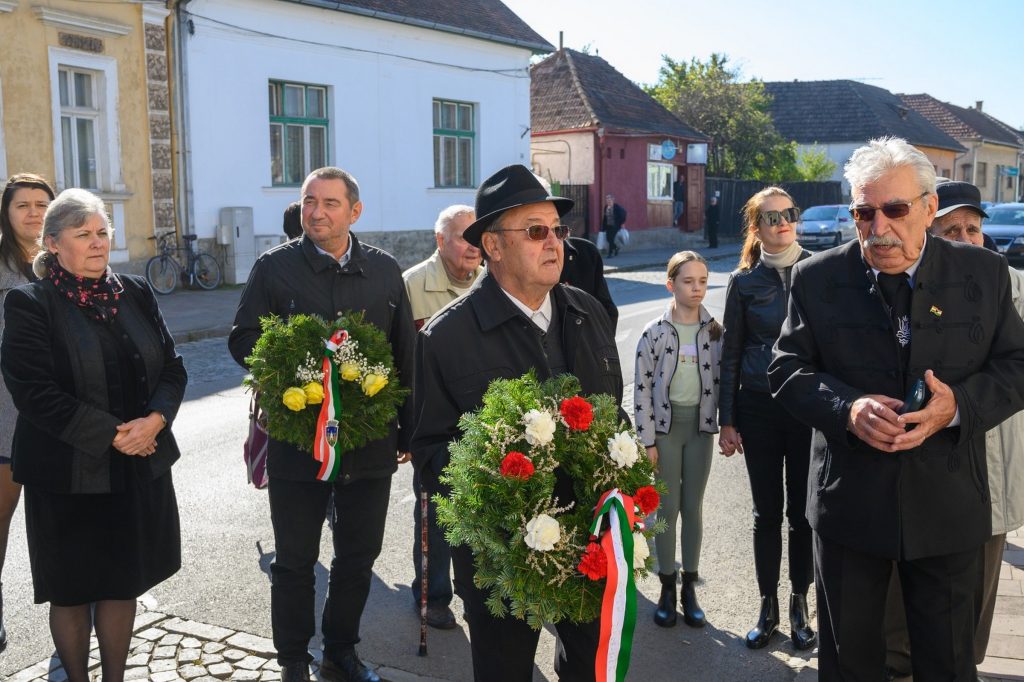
668,150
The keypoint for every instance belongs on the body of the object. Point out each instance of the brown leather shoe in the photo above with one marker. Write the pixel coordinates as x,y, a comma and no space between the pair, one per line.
441,617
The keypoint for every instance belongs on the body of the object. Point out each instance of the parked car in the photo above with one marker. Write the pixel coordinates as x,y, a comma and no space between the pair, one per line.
1005,224
825,226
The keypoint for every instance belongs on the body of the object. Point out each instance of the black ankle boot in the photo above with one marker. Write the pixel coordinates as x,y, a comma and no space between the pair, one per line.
800,629
665,616
692,612
767,623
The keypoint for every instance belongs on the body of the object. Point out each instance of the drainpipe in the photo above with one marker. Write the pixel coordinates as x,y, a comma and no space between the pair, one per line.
600,134
180,138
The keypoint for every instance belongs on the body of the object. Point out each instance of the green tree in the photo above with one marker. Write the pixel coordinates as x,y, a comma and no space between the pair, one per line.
735,116
813,165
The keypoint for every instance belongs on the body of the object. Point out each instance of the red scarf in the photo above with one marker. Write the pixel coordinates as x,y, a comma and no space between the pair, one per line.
98,298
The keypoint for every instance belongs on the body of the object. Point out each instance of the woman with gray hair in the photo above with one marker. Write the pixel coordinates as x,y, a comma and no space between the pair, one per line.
96,380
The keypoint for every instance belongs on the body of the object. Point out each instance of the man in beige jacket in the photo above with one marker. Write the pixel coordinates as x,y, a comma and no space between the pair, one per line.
450,271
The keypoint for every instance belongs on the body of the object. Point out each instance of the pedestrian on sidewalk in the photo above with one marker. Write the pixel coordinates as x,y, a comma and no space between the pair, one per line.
675,403
958,219
613,217
328,272
678,196
24,203
711,218
97,383
869,323
774,444
448,273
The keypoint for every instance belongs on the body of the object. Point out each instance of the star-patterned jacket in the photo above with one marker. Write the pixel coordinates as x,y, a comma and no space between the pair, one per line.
656,363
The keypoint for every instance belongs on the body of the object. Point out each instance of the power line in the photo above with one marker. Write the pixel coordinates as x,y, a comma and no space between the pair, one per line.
508,73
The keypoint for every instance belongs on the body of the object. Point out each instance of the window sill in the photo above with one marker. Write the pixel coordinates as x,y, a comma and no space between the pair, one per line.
451,189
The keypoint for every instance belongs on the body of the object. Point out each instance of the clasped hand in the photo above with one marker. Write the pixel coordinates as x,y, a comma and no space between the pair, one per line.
875,419
138,437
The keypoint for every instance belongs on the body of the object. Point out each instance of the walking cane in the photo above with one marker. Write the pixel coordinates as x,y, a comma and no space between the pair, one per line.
424,520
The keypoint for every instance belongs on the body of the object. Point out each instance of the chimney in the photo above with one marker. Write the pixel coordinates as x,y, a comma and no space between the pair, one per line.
559,41
977,104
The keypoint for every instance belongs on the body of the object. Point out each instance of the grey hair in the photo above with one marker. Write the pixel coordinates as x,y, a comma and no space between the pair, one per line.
72,208
445,218
335,173
879,156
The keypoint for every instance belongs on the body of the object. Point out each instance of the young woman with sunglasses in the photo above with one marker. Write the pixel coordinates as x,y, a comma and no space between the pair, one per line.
776,447
24,202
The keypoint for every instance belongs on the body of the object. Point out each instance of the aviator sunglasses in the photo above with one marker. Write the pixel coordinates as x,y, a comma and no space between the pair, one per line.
774,218
893,211
539,233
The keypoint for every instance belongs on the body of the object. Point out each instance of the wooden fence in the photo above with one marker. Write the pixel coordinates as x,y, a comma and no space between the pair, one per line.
734,193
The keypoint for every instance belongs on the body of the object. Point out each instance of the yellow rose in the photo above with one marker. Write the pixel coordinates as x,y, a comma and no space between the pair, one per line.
314,393
373,383
294,398
350,371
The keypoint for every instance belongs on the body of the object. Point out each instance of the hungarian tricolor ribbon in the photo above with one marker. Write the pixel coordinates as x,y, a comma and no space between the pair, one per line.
618,609
325,445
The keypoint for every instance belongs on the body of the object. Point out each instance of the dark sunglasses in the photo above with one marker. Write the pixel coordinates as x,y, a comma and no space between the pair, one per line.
773,218
895,211
539,233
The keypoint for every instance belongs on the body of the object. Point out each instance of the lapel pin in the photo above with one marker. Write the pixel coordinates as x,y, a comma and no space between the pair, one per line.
936,311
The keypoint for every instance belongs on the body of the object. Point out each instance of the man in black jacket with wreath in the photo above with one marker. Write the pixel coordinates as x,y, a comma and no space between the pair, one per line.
518,318
328,272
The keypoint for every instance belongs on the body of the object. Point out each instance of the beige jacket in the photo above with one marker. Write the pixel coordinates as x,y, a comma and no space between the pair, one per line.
429,288
1004,448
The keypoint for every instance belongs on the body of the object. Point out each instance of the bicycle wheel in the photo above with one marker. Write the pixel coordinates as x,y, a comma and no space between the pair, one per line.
162,274
206,270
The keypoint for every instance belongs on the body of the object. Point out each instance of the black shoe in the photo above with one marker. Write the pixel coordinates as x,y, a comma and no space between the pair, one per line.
440,617
3,630
295,672
892,674
348,668
665,616
800,629
693,614
767,623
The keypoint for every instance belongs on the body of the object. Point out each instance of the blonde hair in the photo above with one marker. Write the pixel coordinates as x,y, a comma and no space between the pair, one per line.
675,264
751,252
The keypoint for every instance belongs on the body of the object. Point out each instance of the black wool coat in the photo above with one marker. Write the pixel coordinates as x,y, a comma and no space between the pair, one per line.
482,336
583,268
837,345
296,278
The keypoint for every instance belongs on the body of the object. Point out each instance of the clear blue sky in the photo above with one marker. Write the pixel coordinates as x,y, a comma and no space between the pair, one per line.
959,52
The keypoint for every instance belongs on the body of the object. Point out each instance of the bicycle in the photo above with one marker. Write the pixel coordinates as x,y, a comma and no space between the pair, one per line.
164,270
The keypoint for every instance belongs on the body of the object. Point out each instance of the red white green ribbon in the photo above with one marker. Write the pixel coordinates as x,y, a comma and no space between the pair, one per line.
618,610
324,452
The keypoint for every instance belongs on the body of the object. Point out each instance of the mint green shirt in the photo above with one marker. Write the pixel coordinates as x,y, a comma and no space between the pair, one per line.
685,386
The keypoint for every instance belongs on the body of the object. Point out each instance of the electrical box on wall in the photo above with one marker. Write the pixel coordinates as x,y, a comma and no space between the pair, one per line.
235,233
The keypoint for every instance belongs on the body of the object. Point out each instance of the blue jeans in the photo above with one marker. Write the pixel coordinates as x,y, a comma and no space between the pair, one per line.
677,210
439,554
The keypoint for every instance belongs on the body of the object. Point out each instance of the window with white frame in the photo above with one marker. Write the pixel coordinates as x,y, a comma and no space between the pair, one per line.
298,130
659,181
79,123
454,143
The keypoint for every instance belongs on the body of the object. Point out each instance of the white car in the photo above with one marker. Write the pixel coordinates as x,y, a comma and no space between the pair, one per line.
825,226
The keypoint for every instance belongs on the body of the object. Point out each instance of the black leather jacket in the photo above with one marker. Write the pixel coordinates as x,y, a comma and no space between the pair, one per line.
755,307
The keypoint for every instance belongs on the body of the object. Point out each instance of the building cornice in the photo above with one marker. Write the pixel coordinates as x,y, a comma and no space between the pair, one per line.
79,22
7,5
154,14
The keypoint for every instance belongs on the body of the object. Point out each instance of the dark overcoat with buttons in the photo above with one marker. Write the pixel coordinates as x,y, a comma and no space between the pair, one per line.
483,336
837,345
296,278
54,367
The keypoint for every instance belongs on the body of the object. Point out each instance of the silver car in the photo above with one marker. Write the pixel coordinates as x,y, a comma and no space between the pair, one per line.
1005,224
825,226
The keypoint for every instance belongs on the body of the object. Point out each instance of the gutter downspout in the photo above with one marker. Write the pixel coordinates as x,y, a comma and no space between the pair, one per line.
180,137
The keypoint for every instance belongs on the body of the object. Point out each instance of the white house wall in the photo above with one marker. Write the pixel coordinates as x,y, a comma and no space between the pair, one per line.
380,107
567,158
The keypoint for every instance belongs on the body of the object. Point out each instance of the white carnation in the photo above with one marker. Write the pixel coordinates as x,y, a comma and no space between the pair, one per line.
640,550
623,450
540,427
542,532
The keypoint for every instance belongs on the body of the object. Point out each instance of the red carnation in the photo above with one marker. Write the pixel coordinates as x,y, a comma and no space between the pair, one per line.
517,465
647,499
594,563
577,413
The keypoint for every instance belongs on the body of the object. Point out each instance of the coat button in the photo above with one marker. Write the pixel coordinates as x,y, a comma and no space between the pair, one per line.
579,321
135,355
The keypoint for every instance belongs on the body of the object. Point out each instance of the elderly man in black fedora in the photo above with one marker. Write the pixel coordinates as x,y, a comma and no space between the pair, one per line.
518,318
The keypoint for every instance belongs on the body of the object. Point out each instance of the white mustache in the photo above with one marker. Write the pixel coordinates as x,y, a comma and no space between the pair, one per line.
887,240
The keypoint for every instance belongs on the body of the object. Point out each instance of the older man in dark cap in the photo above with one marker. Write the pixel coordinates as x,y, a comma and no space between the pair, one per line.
518,318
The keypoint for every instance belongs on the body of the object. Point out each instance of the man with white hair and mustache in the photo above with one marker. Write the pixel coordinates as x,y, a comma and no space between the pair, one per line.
894,481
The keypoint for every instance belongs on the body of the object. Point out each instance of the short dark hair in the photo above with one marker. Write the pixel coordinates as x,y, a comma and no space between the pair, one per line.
293,220
335,173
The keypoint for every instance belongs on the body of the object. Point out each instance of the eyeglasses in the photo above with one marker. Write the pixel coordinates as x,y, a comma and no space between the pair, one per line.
774,218
893,211
539,233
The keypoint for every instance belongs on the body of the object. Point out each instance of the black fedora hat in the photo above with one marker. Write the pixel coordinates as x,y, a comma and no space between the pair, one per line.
512,186
956,194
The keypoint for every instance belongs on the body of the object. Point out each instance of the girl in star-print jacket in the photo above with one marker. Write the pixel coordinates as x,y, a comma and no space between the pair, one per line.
675,402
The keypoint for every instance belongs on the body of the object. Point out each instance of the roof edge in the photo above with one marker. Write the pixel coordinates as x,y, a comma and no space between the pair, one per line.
580,90
535,48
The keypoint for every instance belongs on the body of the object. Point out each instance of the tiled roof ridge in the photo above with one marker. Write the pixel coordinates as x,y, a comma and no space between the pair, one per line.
580,90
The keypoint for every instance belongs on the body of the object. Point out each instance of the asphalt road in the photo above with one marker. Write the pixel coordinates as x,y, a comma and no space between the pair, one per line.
228,545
